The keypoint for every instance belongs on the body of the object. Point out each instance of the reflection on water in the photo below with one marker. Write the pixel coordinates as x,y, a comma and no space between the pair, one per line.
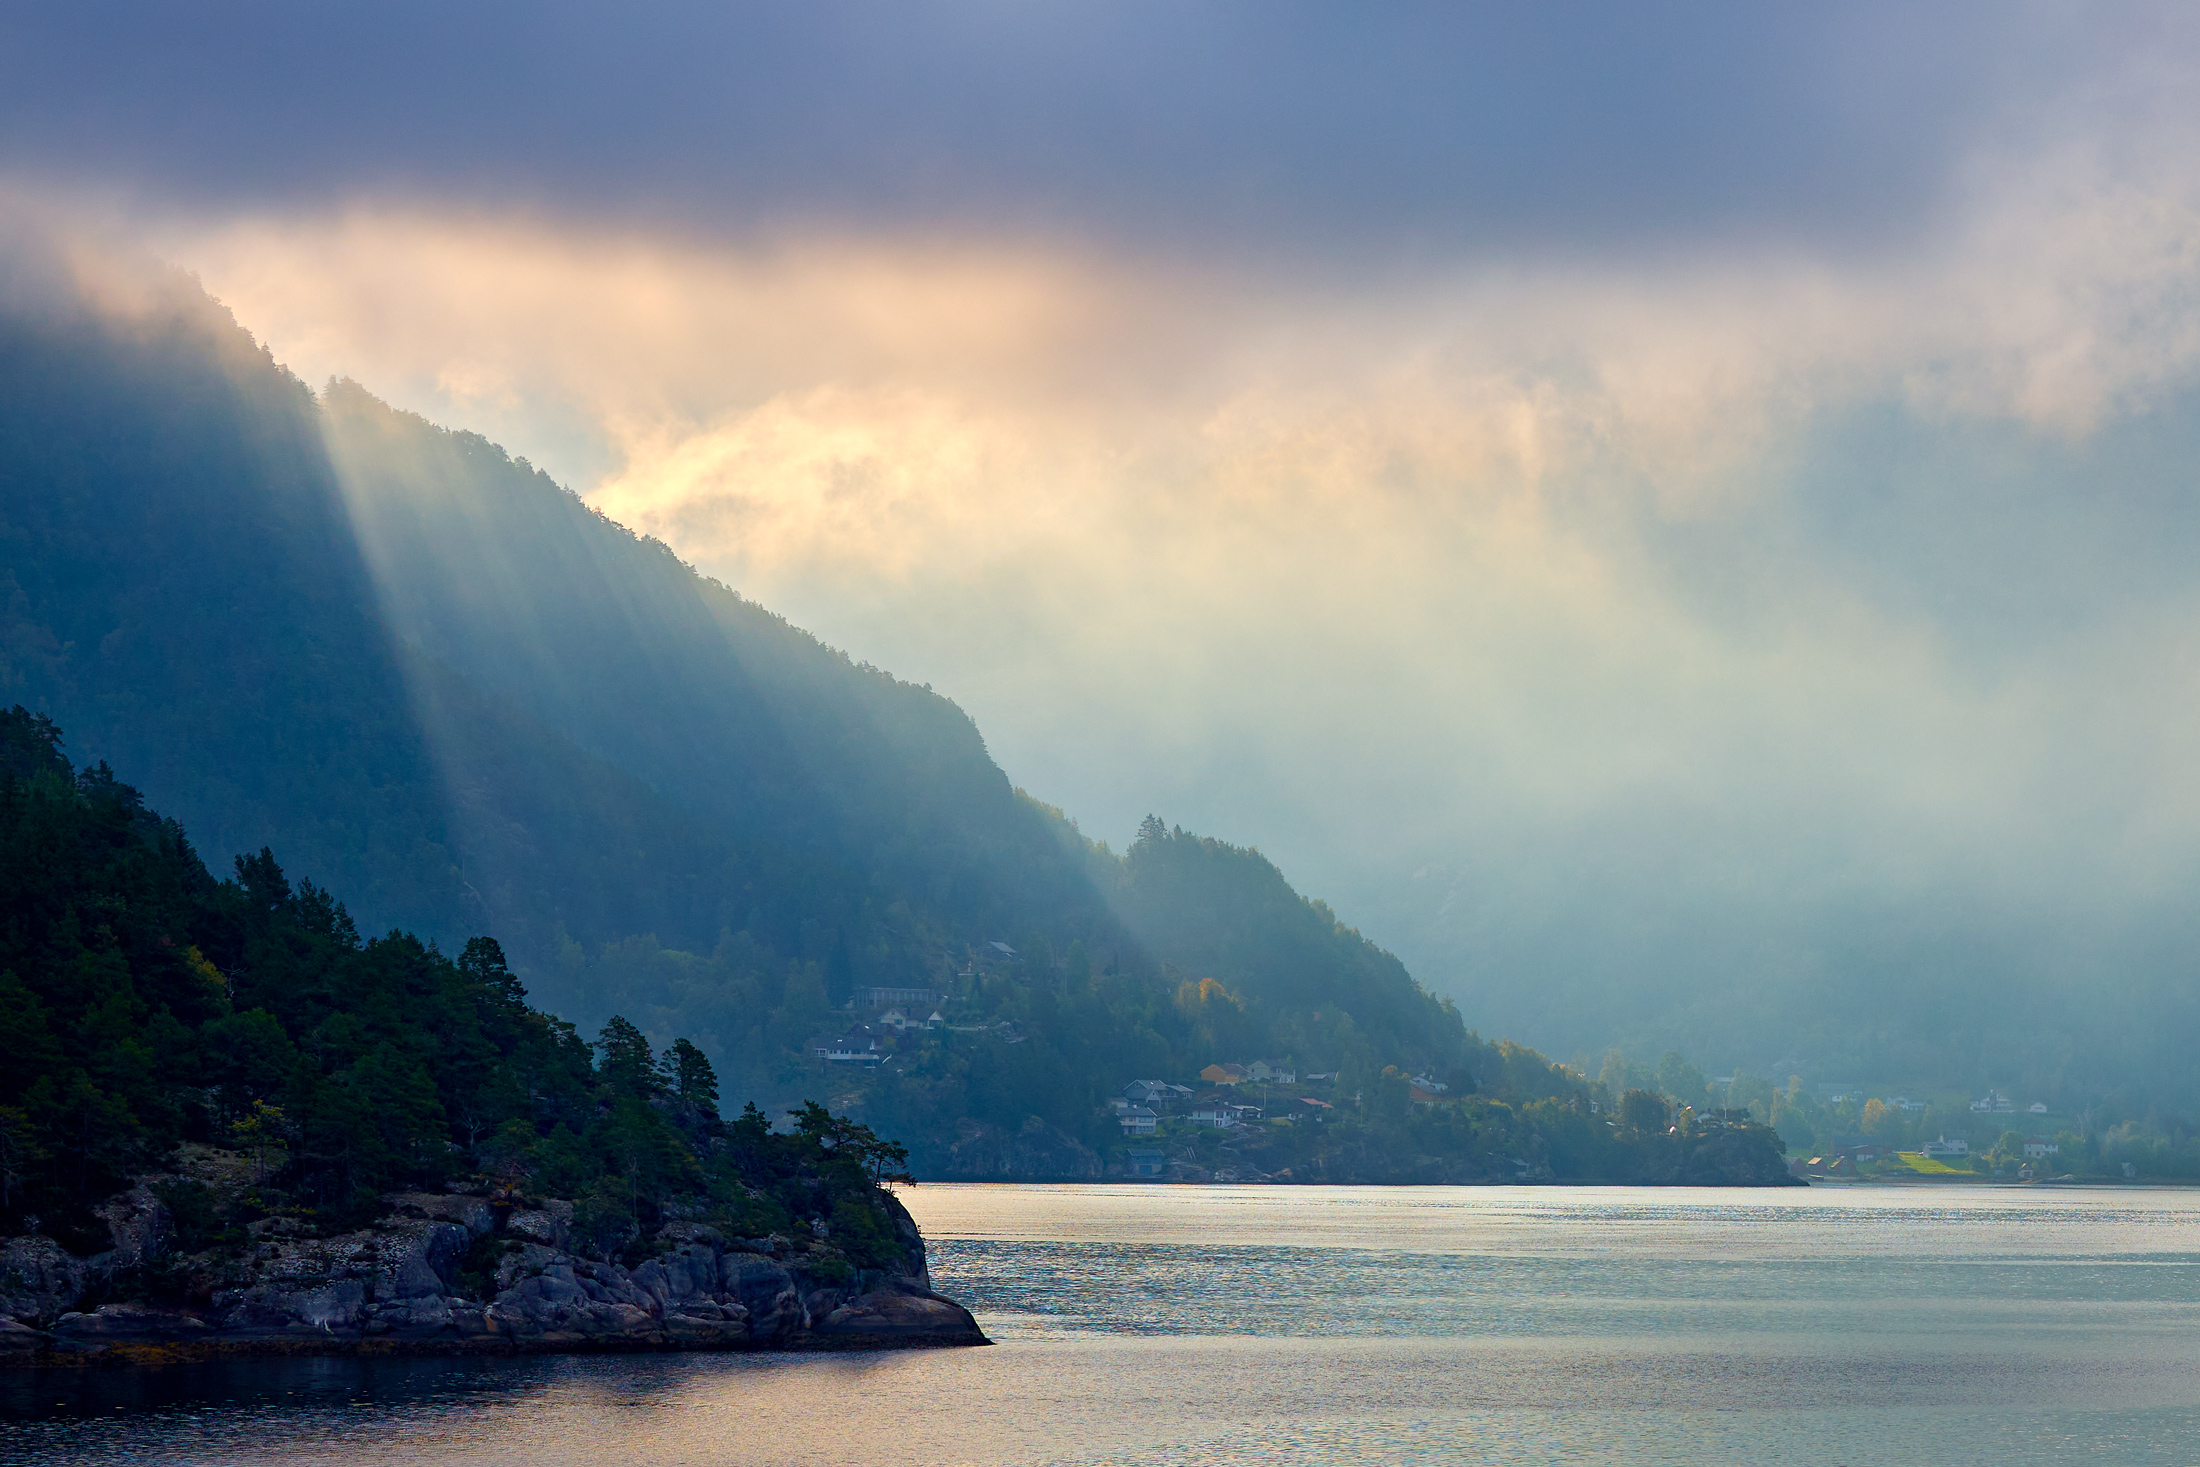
1643,1222
1276,1325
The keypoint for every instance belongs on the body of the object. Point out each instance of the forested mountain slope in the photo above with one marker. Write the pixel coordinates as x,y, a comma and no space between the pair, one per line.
427,676
180,585
423,671
737,718
168,1031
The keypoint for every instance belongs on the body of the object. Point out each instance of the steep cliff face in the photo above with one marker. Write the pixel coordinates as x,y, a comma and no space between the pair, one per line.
452,1273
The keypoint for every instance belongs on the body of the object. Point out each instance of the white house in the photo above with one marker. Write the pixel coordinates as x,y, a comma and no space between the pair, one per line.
2039,1146
1136,1120
1219,1114
1433,1087
1940,1148
2037,1107
1272,1073
1906,1105
854,1048
1993,1102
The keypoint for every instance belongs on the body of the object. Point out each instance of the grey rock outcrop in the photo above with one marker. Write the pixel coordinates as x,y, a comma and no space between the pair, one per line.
438,1274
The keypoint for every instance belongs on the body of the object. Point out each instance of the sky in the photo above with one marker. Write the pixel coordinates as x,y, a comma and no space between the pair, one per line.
1628,503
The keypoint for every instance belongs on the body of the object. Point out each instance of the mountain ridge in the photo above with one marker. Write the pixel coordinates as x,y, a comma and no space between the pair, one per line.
431,677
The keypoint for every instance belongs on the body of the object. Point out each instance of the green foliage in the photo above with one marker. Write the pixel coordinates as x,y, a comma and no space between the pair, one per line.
1644,1113
843,1142
147,1004
1477,1138
604,1220
1290,968
196,1213
625,1060
689,1075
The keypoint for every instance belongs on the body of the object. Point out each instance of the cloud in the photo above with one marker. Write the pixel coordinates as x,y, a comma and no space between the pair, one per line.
1484,556
1278,131
1561,526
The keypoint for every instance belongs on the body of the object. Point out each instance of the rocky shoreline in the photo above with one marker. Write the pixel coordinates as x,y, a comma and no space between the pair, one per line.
453,1274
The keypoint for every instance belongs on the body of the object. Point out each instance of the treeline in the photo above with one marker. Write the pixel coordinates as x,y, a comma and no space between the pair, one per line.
1219,961
1051,1032
2096,1138
145,1005
1570,1133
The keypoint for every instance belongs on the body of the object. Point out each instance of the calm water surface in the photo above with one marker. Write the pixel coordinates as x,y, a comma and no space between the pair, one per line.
1151,1325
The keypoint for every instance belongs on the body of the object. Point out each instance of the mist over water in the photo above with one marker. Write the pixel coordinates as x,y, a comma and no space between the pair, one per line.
1258,1325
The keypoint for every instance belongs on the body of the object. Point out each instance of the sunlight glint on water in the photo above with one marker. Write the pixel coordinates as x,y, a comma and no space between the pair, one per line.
1258,1325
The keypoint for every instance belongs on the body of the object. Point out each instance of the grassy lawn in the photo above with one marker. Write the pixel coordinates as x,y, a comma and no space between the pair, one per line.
1918,1161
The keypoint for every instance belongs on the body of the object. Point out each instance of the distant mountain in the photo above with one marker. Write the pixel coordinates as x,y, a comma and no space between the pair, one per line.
428,677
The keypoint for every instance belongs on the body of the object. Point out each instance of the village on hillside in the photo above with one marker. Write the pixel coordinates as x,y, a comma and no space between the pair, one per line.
1211,1126
1181,1129
1198,1113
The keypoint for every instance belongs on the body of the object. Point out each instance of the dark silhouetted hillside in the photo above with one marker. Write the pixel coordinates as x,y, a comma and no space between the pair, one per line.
427,676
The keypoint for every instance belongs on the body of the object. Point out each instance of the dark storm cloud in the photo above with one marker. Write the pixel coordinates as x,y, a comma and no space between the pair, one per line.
1419,131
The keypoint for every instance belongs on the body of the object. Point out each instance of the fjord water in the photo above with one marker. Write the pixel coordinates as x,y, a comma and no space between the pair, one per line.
1250,1325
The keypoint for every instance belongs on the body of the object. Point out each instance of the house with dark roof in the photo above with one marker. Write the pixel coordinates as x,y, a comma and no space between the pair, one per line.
1137,1120
859,1046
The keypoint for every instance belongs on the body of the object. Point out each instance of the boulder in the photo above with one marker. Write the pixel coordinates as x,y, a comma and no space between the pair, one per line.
689,1271
414,1259
130,1324
329,1307
549,1303
766,1291
550,1224
39,1279
138,1223
410,1319
471,1213
701,1332
892,1314
821,1301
